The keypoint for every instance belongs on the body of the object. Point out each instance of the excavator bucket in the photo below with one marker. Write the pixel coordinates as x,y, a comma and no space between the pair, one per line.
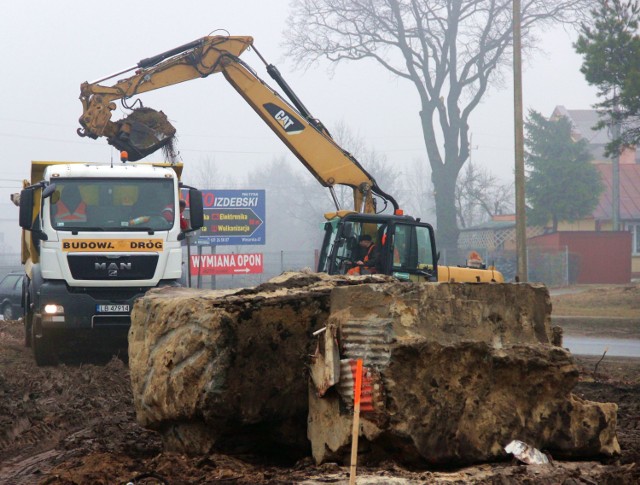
143,132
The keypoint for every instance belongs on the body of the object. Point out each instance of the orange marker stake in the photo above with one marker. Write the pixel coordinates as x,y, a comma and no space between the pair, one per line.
356,423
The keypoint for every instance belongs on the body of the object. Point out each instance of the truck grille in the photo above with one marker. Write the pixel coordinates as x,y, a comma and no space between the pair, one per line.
94,267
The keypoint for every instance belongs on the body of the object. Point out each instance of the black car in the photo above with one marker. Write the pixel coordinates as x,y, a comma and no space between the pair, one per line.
11,295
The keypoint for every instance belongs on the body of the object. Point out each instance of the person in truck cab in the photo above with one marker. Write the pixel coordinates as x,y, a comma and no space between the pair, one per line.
184,224
153,204
70,207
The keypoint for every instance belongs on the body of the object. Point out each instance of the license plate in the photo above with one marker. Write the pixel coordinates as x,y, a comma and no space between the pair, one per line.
112,308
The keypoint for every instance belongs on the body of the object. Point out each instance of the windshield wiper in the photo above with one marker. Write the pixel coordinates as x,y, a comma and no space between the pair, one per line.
150,231
76,230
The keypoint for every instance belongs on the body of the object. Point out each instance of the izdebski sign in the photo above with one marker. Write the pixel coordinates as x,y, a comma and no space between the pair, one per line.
233,217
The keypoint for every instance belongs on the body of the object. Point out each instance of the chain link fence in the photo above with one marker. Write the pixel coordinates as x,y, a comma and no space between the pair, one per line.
553,267
274,264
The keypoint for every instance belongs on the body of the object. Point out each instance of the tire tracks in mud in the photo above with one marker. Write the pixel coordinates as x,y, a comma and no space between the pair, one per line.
50,414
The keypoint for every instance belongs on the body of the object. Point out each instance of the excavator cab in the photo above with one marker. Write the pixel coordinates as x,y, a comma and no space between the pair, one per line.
402,247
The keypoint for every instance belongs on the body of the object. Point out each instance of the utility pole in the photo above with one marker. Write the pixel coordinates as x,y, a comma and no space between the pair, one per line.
521,221
615,178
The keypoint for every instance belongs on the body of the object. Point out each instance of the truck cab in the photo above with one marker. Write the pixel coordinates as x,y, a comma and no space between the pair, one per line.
96,238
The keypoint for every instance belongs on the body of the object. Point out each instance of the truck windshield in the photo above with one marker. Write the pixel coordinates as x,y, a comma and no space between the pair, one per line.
113,205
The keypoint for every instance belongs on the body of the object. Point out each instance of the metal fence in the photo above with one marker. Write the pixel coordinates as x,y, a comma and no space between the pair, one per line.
275,263
553,267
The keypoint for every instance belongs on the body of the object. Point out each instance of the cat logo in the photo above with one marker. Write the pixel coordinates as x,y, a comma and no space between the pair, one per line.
112,268
286,120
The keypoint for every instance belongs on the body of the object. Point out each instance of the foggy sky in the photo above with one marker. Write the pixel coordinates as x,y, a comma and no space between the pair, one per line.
50,48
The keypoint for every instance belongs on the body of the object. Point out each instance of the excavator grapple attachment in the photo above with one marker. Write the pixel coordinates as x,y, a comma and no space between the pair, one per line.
143,132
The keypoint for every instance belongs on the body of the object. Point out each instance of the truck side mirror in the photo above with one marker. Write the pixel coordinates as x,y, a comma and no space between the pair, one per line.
48,190
26,209
196,211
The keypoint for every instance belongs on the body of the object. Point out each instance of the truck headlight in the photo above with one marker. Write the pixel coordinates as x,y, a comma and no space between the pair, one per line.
52,309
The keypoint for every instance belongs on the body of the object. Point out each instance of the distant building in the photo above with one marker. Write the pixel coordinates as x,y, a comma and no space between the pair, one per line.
583,121
499,233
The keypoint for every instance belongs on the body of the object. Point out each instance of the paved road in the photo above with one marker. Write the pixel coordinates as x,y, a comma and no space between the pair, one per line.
597,345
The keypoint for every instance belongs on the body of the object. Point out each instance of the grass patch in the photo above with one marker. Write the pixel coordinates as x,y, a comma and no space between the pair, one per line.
599,301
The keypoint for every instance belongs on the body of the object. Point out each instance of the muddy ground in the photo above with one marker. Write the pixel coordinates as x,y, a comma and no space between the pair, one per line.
75,424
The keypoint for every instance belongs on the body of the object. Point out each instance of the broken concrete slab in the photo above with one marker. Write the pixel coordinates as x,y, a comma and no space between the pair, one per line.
453,371
211,366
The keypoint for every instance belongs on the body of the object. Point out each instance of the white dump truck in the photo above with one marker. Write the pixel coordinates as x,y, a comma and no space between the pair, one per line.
96,237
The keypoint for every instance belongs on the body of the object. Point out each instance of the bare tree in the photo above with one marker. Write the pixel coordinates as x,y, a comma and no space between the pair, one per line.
480,195
296,202
295,205
206,174
418,192
449,50
374,162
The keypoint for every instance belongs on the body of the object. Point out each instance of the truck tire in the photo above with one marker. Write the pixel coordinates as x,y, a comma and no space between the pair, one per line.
42,347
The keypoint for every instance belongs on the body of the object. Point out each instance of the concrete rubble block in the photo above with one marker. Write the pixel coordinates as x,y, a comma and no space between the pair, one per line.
453,373
214,369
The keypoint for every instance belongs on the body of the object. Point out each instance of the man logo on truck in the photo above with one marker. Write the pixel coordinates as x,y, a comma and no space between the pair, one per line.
113,268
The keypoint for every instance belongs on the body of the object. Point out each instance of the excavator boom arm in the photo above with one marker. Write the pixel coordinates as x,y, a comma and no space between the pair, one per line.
303,135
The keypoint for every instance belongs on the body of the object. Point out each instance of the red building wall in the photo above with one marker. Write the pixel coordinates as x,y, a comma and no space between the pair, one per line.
601,257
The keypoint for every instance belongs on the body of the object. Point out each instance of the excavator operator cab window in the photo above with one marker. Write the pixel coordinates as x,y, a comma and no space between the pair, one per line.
330,232
412,251
357,244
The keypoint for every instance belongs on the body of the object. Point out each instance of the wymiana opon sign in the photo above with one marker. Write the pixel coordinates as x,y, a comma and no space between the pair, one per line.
226,264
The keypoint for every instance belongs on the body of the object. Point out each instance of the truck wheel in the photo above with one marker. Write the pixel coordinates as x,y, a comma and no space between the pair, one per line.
42,347
7,312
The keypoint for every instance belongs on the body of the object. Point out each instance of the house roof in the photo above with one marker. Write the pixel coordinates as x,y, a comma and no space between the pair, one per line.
583,121
629,192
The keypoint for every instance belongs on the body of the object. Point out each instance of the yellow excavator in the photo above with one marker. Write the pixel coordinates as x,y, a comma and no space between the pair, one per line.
404,247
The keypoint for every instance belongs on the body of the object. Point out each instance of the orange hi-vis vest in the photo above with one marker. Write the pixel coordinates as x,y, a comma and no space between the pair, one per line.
167,213
63,213
366,257
356,269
